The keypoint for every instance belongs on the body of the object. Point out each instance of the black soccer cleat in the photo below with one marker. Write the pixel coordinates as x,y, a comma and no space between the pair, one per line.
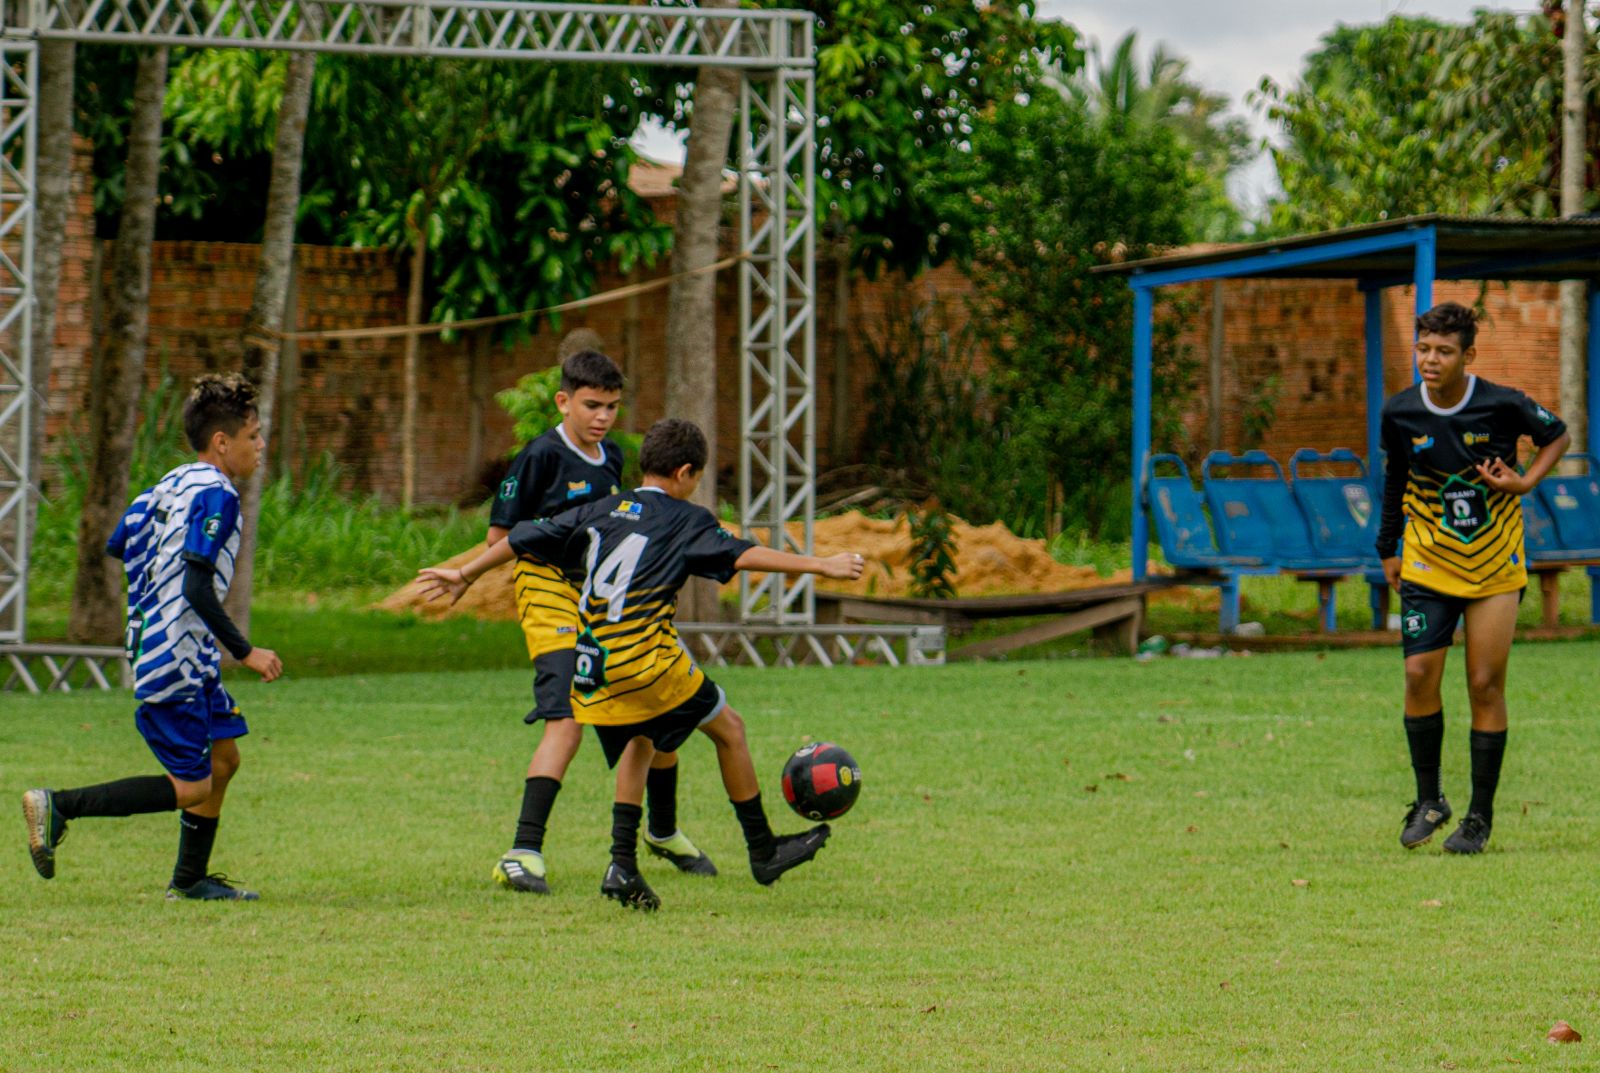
46,829
213,888
1471,837
685,855
628,889
1424,818
790,851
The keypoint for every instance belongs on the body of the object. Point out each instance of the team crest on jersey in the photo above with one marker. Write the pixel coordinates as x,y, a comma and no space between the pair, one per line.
1466,512
1414,623
1420,443
212,526
508,488
1472,439
577,489
629,508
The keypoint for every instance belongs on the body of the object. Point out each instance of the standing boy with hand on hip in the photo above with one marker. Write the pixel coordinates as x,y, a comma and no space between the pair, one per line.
1451,545
177,543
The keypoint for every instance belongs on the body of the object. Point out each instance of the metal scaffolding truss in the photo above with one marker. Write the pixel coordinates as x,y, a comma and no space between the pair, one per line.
773,50
483,29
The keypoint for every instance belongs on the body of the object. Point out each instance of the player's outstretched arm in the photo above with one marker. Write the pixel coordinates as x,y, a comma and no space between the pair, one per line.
438,581
846,566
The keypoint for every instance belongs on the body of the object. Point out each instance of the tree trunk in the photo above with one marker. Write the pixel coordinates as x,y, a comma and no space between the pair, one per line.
53,194
267,306
692,302
97,605
1574,123
408,413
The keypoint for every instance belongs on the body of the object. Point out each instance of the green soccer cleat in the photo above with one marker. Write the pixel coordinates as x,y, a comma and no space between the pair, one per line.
628,889
684,855
522,869
46,829
213,888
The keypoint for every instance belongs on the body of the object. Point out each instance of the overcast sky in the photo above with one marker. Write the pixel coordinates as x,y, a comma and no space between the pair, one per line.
1230,45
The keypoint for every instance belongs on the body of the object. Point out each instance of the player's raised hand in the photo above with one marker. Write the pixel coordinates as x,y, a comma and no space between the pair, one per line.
1503,478
440,581
846,566
265,662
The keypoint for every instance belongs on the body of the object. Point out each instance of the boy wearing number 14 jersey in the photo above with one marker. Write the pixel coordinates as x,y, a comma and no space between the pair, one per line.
571,465
633,681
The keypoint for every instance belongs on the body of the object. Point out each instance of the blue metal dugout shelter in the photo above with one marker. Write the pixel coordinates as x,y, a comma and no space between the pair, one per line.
1415,250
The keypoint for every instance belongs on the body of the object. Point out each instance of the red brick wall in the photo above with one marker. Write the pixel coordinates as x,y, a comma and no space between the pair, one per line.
348,400
1307,334
1310,334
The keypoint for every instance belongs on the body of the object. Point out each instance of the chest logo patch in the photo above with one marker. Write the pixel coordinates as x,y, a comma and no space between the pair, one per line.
577,489
1472,439
1466,509
1420,444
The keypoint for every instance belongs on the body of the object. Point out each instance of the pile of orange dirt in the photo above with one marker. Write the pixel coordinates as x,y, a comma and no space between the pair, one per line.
990,561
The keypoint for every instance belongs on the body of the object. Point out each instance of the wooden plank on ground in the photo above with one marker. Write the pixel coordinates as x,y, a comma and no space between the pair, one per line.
1101,615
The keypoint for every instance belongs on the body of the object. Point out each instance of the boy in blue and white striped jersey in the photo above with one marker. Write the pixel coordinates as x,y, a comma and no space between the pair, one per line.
177,543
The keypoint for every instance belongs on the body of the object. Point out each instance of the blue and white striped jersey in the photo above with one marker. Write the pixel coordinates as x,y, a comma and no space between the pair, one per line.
191,514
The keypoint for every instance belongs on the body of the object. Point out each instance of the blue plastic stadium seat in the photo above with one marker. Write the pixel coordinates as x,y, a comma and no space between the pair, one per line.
1340,511
1180,521
1573,505
1539,535
1258,516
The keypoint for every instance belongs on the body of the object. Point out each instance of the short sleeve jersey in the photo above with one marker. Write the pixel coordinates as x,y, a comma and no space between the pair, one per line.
551,475
1457,535
635,551
192,514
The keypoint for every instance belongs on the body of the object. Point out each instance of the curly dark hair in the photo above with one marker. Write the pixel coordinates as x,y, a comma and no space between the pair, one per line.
592,369
670,444
222,402
1450,318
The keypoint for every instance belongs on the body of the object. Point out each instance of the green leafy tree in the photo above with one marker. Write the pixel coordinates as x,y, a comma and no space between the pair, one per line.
1163,93
1060,189
1412,115
902,86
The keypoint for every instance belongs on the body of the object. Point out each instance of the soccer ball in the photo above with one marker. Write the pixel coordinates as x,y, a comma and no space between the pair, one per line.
821,781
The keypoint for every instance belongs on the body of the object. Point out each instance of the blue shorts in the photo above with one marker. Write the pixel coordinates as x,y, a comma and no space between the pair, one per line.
180,732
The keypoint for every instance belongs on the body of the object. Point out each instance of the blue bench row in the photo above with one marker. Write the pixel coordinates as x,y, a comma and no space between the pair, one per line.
1325,528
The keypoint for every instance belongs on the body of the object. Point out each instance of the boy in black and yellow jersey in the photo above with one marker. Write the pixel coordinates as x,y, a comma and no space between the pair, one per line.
569,466
634,681
1451,544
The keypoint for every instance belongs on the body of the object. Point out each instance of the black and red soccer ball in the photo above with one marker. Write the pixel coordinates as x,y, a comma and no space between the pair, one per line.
821,781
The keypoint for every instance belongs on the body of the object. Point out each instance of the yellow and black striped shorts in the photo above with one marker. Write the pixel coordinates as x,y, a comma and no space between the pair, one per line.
547,607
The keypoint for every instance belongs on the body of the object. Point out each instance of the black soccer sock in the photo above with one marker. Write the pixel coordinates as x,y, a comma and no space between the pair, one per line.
1425,735
125,797
625,835
1488,750
661,798
538,798
757,831
197,835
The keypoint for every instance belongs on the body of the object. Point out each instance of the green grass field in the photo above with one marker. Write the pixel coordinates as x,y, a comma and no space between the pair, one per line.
1085,864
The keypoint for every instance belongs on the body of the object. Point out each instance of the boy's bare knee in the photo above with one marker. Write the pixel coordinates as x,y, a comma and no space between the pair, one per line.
190,794
1485,687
